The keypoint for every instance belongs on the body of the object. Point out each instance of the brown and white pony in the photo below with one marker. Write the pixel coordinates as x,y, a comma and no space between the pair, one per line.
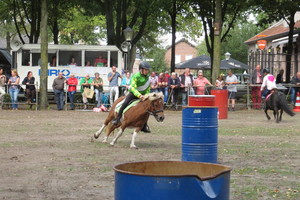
135,117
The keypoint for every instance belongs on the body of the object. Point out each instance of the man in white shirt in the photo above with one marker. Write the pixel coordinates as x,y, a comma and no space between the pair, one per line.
231,81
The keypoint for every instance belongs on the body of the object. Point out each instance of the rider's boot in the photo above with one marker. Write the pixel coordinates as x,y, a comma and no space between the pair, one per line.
116,121
146,128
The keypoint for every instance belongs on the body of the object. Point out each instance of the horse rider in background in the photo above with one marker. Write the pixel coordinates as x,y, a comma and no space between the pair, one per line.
139,86
268,84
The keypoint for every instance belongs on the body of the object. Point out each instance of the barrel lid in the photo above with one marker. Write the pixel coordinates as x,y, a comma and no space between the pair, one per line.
202,171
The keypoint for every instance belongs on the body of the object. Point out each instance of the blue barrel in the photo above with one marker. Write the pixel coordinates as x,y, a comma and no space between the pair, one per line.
200,134
171,180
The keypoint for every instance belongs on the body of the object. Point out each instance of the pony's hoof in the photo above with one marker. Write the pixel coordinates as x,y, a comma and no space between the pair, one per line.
112,144
104,141
133,147
96,135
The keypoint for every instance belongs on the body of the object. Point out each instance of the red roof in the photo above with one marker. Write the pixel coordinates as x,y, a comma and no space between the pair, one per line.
276,30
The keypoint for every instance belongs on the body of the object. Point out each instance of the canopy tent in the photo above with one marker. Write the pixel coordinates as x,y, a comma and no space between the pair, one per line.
233,64
204,62
5,57
200,62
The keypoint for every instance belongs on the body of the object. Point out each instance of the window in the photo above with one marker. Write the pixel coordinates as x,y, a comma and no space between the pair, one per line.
26,58
177,59
70,58
96,58
188,57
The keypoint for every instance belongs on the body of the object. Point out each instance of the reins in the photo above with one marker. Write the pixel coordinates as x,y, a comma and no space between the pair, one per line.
154,113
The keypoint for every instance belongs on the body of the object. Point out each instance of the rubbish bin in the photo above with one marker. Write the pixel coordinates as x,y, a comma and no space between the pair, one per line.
200,134
221,102
171,180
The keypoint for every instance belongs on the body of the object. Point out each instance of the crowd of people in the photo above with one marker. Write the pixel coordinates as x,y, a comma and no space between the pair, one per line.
172,86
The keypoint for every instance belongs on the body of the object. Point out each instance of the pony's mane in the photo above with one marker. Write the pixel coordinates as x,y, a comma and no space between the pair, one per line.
155,95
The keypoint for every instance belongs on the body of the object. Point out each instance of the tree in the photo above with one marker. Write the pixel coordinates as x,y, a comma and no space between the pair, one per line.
234,42
27,13
231,11
44,56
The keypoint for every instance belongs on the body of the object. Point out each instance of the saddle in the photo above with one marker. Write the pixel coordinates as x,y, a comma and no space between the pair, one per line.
131,104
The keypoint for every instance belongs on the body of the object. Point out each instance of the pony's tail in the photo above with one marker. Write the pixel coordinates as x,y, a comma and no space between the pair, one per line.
285,106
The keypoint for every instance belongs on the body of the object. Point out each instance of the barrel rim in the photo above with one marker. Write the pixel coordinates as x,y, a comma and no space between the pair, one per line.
227,170
210,96
184,107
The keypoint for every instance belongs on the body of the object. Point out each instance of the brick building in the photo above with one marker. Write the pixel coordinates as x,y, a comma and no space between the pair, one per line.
274,51
184,50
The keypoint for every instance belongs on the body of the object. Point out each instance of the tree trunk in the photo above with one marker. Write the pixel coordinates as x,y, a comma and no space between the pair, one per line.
217,41
173,19
290,48
44,56
8,41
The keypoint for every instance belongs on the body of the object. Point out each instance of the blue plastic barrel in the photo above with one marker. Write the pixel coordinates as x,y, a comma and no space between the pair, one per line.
200,134
171,180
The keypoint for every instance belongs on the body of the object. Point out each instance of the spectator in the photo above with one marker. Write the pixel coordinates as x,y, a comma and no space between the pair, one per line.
87,63
220,82
72,82
2,85
53,61
58,88
163,86
100,62
113,84
30,87
186,82
153,82
167,75
294,90
279,77
174,84
85,82
255,93
72,61
200,83
98,88
125,83
14,88
231,81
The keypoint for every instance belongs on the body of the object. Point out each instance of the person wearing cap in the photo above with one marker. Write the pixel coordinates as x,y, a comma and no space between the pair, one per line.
268,84
200,83
139,86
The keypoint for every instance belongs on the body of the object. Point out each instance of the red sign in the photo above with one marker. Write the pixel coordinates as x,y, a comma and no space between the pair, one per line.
262,44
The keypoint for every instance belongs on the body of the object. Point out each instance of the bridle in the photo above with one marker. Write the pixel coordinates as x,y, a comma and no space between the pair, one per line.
154,112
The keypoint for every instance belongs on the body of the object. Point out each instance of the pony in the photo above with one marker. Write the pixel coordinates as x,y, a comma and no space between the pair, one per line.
276,101
135,117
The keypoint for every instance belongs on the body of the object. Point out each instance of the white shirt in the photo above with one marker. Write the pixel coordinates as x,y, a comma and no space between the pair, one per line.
230,79
269,81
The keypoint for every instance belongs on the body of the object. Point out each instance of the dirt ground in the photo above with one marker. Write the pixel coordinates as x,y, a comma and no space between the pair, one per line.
49,154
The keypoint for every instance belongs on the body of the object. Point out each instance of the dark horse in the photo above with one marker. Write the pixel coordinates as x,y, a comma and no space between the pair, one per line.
135,117
277,102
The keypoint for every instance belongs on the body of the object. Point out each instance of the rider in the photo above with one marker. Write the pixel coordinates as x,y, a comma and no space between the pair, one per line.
268,84
139,86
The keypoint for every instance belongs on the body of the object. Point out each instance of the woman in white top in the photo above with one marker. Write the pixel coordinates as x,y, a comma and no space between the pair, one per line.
268,84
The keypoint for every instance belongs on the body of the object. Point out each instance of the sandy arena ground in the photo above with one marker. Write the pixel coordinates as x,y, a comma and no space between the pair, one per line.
49,154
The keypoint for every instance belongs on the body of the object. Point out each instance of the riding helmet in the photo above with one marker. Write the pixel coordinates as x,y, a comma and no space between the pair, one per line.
266,71
144,65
